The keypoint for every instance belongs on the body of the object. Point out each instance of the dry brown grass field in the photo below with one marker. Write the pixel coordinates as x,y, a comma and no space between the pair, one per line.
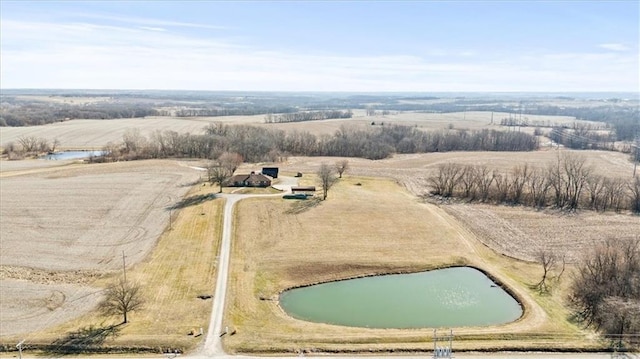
511,230
369,226
64,227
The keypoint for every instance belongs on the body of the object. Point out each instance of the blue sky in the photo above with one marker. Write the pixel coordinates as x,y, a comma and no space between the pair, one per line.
435,46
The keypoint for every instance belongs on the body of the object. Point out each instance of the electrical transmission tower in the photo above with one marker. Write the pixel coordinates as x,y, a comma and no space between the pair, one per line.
443,351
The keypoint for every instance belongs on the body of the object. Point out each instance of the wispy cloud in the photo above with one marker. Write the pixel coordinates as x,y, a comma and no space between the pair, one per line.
89,55
144,21
614,47
152,28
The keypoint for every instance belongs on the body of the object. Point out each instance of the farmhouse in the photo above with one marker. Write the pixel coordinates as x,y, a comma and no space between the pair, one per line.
251,180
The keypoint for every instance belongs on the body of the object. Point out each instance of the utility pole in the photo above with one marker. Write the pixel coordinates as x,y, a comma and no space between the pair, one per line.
636,157
124,267
19,346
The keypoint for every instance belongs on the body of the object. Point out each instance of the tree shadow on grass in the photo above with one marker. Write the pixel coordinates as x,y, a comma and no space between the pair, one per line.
303,205
83,340
193,200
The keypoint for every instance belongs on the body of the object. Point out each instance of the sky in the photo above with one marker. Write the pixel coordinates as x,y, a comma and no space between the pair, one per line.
351,46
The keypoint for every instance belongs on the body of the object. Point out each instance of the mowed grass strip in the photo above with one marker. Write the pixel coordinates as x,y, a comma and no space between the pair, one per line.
367,226
181,267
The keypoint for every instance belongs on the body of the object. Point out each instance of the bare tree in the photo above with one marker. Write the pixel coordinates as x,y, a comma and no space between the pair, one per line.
54,144
28,143
446,180
484,179
341,167
576,174
595,186
122,298
230,161
548,260
539,186
634,194
469,182
327,178
217,174
521,175
503,187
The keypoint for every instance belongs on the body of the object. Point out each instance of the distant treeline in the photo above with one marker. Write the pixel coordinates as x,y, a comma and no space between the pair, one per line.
624,120
569,183
256,144
38,113
225,111
307,116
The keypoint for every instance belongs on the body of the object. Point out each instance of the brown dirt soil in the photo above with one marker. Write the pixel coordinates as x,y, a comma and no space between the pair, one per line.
63,228
28,306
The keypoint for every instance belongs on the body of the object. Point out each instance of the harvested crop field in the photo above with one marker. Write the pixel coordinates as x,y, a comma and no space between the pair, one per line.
514,231
69,225
28,307
95,134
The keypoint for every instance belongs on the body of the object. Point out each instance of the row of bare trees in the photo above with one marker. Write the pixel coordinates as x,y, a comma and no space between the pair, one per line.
567,183
307,116
256,144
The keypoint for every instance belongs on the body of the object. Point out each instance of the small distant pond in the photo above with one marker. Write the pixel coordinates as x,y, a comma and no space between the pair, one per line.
73,155
451,297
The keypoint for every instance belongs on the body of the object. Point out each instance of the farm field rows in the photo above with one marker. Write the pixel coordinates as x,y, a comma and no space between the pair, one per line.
64,228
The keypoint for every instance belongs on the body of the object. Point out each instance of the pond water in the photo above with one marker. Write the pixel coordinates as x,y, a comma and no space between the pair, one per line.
451,297
73,155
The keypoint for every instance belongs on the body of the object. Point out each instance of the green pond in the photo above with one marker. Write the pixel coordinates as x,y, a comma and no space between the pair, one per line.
451,297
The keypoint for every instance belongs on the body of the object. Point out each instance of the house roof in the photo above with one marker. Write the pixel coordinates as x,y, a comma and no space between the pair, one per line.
258,177
252,178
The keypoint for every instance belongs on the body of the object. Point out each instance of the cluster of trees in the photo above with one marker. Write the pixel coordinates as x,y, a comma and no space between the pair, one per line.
606,290
567,183
256,144
29,146
307,116
582,139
